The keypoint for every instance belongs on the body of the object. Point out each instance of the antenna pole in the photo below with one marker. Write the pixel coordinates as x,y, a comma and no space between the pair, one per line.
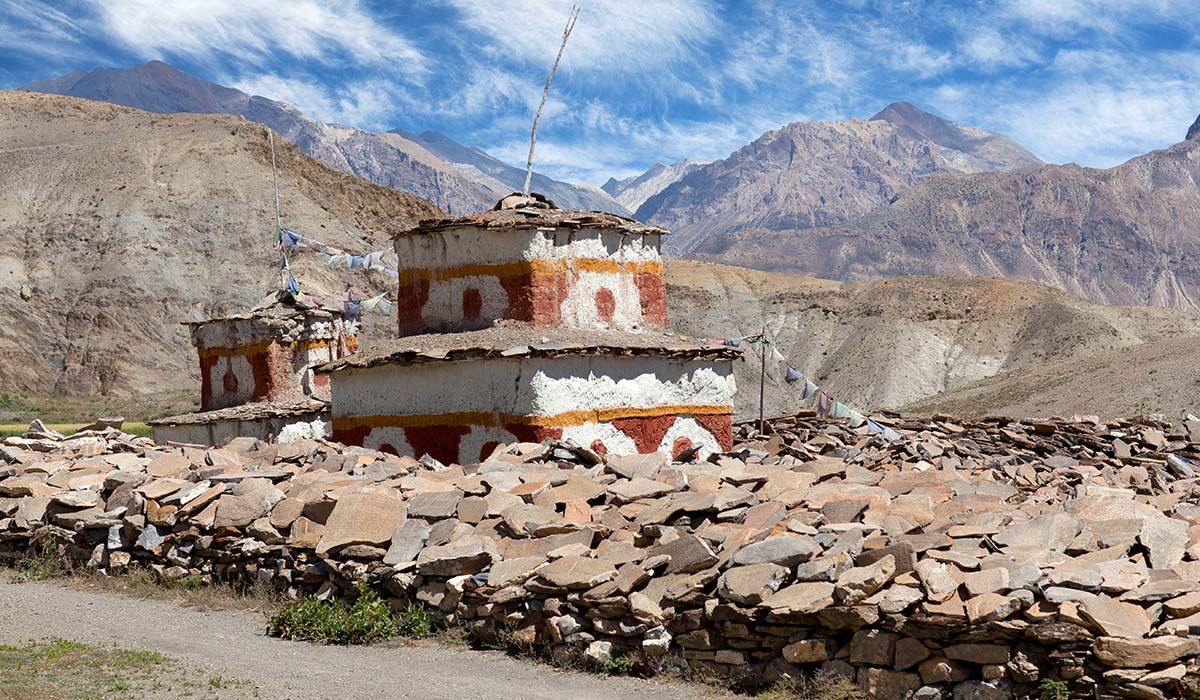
546,91
278,226
762,383
274,179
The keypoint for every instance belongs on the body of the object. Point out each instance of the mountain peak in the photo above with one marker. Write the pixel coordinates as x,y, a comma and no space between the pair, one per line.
977,149
1193,132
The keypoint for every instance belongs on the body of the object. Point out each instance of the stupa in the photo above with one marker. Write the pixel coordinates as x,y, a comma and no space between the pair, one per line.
256,375
530,322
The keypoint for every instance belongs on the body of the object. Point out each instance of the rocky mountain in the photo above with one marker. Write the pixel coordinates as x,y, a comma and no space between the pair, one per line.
804,175
970,346
456,178
1125,235
968,148
633,191
477,165
1193,131
117,224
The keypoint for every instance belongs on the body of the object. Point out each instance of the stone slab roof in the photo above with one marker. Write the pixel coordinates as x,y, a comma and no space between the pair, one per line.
533,219
246,412
521,340
279,305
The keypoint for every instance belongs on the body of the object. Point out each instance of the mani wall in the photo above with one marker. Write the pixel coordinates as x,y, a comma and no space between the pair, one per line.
988,560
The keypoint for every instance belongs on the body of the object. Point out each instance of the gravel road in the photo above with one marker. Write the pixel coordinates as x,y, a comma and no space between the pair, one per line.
232,645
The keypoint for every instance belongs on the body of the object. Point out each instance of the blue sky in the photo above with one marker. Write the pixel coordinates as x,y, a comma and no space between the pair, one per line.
1088,81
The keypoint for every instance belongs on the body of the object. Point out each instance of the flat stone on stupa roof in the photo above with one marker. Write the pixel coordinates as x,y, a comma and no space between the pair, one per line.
279,305
258,410
521,340
535,218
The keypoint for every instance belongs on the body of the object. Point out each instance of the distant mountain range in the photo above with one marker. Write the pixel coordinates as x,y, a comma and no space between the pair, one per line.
456,178
812,174
905,192
632,192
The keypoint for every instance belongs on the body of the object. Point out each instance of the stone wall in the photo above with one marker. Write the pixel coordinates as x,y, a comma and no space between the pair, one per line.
468,278
462,410
972,561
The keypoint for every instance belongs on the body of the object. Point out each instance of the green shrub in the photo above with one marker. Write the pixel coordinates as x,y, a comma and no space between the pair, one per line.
365,621
1054,690
43,563
415,622
618,665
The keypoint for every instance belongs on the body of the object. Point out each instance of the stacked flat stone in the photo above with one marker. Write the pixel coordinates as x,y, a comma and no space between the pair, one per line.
970,560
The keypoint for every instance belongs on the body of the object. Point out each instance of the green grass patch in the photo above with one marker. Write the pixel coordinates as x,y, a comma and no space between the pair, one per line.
43,563
58,669
19,429
367,620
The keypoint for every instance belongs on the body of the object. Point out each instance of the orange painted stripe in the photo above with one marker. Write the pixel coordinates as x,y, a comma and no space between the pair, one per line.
261,347
498,419
528,267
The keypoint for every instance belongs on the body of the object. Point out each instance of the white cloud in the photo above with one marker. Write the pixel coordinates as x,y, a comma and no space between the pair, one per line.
616,36
1102,124
1070,17
37,29
366,104
918,59
256,32
989,49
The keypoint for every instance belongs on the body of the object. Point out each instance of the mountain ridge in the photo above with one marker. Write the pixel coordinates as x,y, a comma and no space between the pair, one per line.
394,159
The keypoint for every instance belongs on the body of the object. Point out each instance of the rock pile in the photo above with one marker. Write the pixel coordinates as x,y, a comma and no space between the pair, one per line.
964,560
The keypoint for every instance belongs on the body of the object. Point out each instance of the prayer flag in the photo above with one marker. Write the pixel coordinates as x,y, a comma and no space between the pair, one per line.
357,261
370,304
324,257
290,238
292,286
809,389
840,410
824,403
734,341
385,307
352,309
856,419
874,428
793,375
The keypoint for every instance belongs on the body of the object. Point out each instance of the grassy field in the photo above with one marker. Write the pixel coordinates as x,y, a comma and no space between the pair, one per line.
66,414
61,669
11,429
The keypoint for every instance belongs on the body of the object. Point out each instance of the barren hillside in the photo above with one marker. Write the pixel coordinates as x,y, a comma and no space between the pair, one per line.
904,342
117,224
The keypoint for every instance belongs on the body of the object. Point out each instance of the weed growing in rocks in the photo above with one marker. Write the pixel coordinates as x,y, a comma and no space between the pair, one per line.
821,686
618,665
415,623
44,563
365,621
1054,690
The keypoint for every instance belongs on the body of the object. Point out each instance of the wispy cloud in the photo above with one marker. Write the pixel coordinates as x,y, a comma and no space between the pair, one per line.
611,36
367,104
257,32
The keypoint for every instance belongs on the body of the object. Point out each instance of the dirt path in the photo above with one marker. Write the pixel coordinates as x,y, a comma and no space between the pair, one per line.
232,645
